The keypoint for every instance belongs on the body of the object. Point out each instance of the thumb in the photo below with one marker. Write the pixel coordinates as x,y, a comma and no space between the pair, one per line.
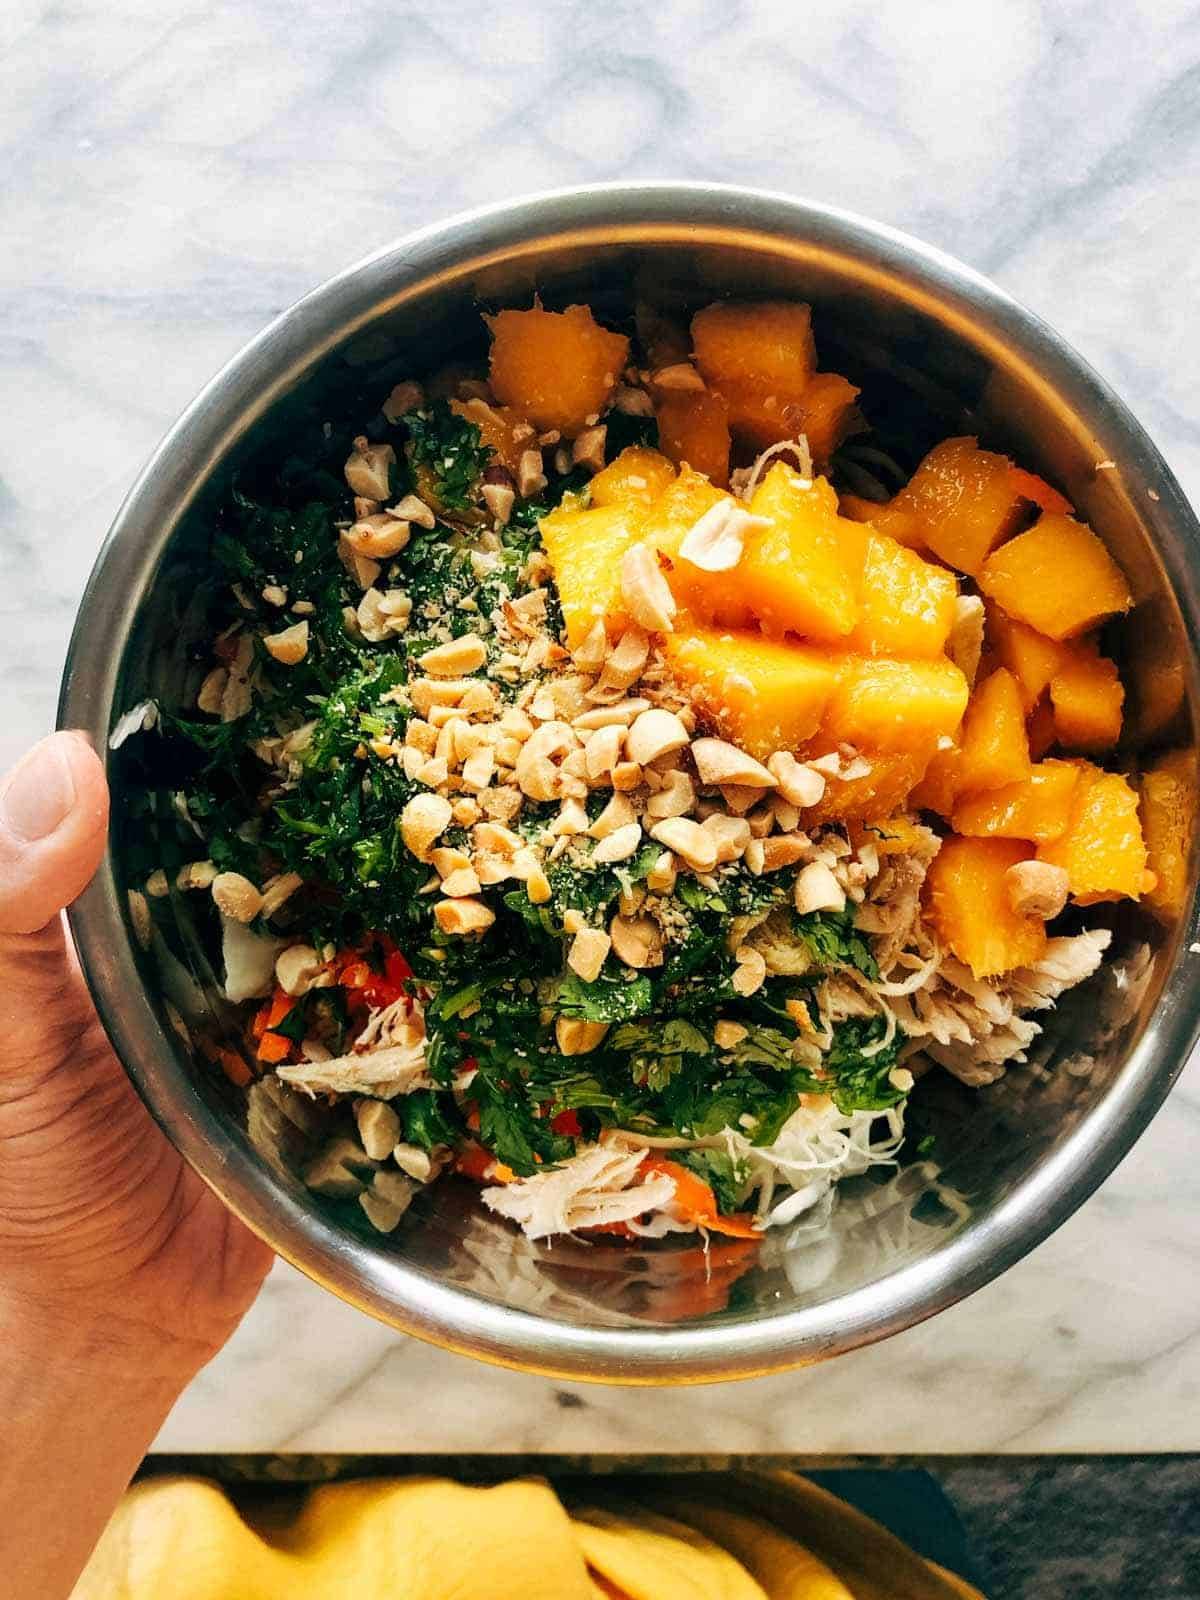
53,824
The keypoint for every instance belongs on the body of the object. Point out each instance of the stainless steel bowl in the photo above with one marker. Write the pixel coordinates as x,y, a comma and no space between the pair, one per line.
937,349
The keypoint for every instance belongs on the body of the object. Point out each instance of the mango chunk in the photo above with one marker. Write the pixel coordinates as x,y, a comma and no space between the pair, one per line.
693,427
995,746
1102,850
1037,807
1058,578
714,597
585,550
1040,493
905,604
1087,697
886,705
762,695
557,368
874,797
940,783
761,359
760,347
963,501
504,432
794,575
1029,656
1168,813
885,516
635,477
824,414
969,906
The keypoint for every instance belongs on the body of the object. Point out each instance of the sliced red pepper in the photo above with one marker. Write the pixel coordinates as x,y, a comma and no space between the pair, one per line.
474,1162
567,1122
379,989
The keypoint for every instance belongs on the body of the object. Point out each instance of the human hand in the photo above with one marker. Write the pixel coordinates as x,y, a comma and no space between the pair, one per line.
105,1234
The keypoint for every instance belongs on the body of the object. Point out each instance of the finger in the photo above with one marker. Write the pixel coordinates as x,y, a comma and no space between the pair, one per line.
53,822
53,816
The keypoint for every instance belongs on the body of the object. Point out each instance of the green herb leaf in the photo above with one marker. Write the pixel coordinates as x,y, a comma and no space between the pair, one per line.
451,449
428,1118
860,1082
724,1176
834,942
611,998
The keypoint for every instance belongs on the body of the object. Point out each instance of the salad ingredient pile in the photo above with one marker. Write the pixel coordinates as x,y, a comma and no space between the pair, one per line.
607,791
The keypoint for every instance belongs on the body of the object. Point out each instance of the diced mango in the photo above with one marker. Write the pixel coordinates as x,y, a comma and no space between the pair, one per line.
874,797
1102,849
963,501
885,516
1030,487
1037,807
585,550
887,705
1029,656
794,574
635,477
824,414
760,358
762,695
995,746
557,368
1058,578
709,596
967,891
504,431
693,427
1087,697
905,605
940,783
1168,812
762,347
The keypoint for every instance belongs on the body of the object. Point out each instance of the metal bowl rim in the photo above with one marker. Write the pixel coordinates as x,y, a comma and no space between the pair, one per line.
406,1297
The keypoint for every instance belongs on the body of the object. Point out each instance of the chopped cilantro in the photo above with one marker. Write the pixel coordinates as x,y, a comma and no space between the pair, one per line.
724,1176
611,998
450,450
834,942
656,1050
860,1083
428,1119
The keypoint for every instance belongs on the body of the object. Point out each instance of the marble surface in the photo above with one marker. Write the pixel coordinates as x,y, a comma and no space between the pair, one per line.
174,173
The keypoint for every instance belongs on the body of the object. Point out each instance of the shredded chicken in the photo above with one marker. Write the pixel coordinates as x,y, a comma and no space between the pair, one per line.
974,1027
394,1070
596,1186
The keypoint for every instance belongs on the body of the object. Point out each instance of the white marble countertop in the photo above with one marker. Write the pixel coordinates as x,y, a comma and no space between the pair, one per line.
175,173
